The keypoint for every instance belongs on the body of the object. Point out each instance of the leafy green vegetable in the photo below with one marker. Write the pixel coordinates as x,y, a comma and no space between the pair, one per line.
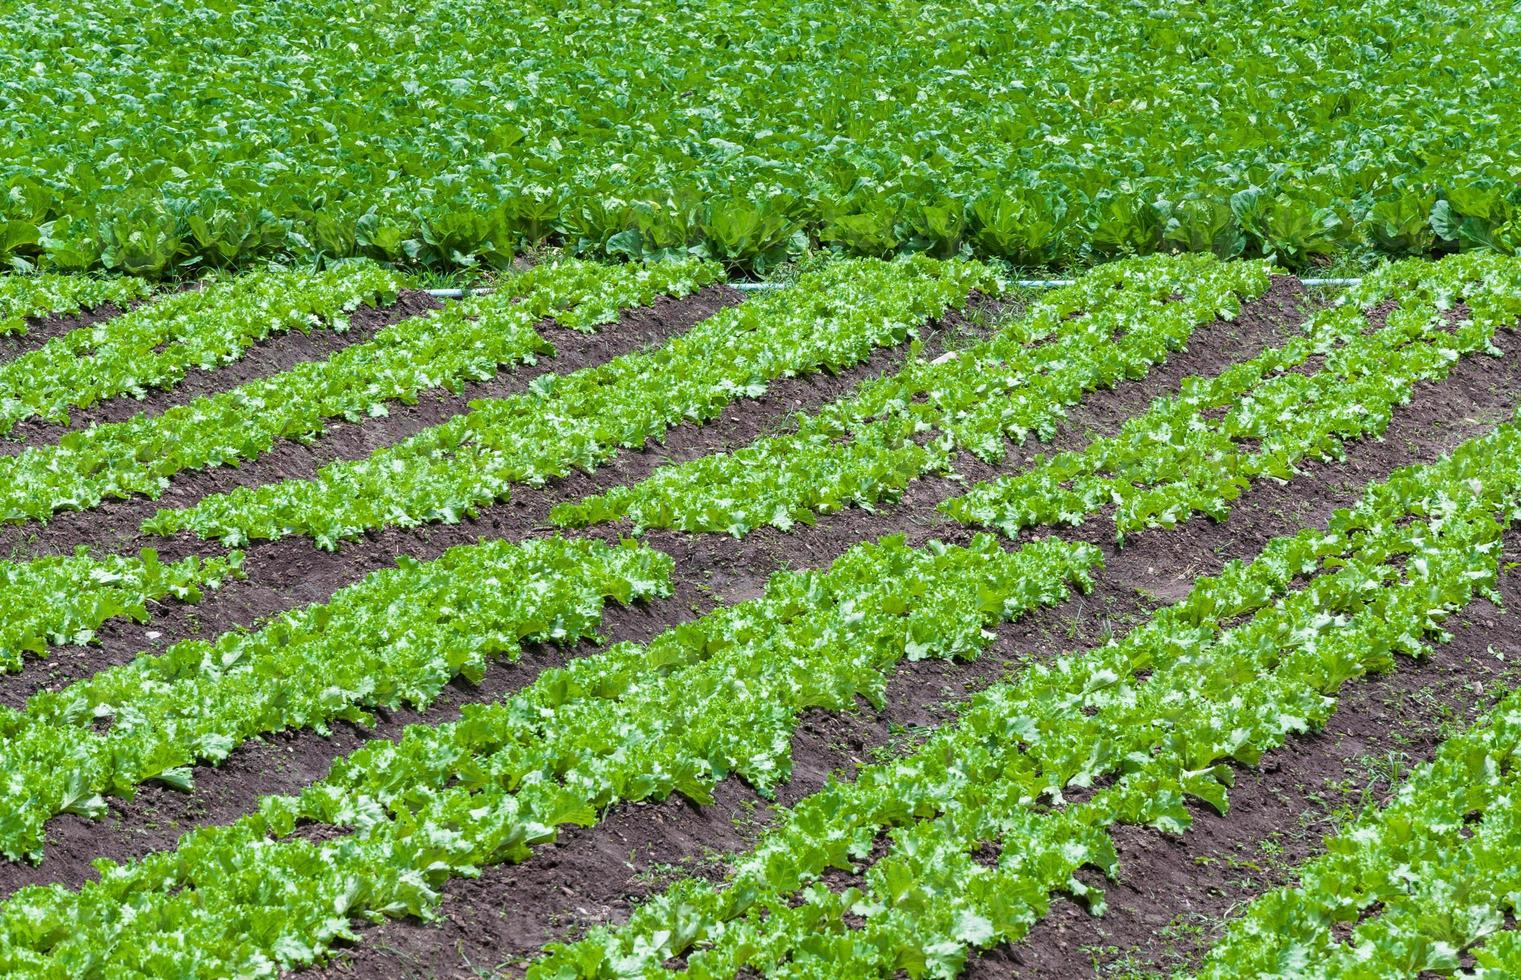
453,133
23,297
829,319
468,340
1131,729
707,699
1115,323
64,598
156,345
395,638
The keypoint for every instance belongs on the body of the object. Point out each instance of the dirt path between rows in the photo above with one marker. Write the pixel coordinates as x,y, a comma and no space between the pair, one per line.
1171,893
595,875
41,329
268,357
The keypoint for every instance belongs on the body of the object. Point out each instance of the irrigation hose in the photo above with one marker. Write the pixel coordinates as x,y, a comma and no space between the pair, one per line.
754,287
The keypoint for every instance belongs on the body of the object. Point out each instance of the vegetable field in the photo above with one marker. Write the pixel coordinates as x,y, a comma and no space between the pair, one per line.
781,488
894,621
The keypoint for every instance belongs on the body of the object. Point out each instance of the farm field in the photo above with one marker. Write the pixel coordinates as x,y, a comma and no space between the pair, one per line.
897,620
765,489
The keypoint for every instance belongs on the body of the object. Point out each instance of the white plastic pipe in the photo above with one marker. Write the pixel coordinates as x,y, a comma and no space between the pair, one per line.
750,287
756,287
456,293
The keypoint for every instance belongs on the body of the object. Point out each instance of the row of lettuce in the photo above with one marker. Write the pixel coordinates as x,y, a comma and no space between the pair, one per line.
1139,728
152,347
715,697
24,299
1262,417
1147,718
1189,453
1037,768
829,320
1144,308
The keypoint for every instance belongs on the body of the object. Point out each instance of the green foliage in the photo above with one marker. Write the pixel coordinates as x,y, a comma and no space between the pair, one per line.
1499,956
829,319
1199,450
155,345
468,340
452,134
1112,325
1409,888
714,697
1037,769
23,297
64,598
394,639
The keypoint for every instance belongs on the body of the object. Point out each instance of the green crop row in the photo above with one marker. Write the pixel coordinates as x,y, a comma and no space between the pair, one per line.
1499,956
468,340
1113,324
1408,889
1196,452
959,844
65,598
454,133
155,345
830,319
715,697
1175,459
24,297
395,638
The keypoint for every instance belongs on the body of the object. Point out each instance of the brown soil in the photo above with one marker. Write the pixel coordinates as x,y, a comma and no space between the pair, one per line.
270,356
40,330
289,573
114,524
595,875
1174,895
286,574
282,575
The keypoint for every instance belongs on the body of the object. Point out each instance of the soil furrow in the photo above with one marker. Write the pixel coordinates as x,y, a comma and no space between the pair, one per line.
710,568
1175,895
285,574
40,330
113,525
595,875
